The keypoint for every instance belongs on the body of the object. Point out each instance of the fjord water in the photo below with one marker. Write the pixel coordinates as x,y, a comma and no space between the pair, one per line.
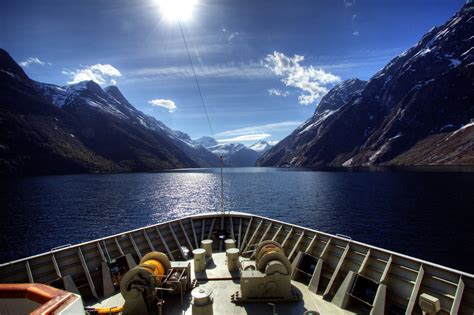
428,215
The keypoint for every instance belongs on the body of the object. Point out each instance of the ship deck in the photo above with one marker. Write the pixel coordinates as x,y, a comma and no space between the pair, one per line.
223,284
398,280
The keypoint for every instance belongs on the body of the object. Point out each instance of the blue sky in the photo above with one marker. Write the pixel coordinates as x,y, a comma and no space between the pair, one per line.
262,65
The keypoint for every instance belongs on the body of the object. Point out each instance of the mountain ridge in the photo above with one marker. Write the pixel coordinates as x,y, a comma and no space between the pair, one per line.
418,93
50,129
261,146
235,154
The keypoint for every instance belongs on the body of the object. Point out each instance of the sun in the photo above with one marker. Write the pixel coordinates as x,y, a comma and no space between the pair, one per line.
173,10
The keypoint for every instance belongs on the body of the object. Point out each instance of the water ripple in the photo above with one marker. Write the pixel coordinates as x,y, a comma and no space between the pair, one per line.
428,215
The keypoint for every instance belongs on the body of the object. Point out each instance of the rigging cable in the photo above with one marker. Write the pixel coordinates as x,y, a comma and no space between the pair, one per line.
205,111
195,77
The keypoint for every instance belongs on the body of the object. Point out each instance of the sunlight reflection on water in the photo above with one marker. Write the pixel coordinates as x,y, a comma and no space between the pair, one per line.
185,194
402,211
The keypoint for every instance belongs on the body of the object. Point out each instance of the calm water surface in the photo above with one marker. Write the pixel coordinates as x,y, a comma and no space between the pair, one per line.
429,215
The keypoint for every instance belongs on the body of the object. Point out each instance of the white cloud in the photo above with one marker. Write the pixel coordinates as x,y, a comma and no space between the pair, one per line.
32,60
168,104
255,133
230,70
354,25
249,137
273,142
232,36
99,73
349,3
311,81
277,92
261,129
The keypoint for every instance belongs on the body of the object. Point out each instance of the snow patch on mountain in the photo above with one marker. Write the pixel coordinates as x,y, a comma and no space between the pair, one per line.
61,95
260,146
468,125
9,73
311,124
348,162
381,150
226,149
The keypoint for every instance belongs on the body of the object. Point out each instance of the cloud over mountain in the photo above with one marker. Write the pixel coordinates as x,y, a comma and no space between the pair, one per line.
311,81
168,104
99,73
255,133
284,125
249,137
32,60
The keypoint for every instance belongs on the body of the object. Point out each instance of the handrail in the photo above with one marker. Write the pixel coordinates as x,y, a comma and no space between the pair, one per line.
248,215
51,298
60,247
344,236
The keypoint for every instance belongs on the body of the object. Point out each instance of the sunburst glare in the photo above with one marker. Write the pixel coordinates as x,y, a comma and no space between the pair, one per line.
173,10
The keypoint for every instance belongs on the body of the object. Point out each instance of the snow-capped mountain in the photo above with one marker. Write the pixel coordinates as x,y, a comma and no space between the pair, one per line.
85,93
235,154
416,110
82,128
260,146
227,149
109,100
206,142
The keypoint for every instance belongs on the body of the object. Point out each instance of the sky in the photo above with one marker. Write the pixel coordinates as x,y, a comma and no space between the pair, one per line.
262,65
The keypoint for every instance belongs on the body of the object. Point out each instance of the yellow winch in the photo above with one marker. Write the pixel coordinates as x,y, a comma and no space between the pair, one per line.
138,283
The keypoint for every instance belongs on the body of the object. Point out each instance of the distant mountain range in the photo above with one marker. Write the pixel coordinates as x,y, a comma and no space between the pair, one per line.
77,128
49,129
417,110
235,154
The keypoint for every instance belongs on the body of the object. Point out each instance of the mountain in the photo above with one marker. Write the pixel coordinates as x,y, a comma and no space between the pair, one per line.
285,153
417,110
235,154
49,129
260,146
206,142
201,156
341,94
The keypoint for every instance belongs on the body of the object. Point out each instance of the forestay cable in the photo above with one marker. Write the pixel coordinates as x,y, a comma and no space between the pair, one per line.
195,77
205,111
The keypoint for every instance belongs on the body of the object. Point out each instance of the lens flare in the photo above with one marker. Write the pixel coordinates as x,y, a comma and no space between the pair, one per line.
173,10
